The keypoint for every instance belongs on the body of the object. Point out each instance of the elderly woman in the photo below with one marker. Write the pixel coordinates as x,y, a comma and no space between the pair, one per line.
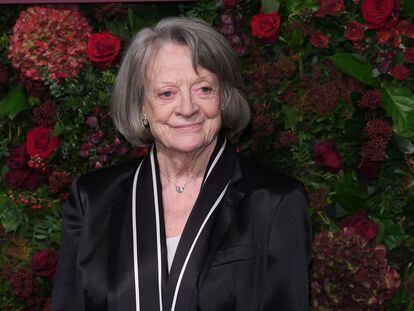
191,226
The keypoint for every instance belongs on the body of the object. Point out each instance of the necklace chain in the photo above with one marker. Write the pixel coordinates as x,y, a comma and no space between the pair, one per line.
178,188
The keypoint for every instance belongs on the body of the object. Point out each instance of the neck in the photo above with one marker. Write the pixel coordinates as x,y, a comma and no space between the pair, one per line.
178,165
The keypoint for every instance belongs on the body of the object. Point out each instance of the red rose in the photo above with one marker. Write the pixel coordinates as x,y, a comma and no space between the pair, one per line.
319,40
354,31
409,55
103,49
18,157
329,7
15,178
40,141
376,12
400,72
327,157
23,179
362,224
230,2
44,262
266,26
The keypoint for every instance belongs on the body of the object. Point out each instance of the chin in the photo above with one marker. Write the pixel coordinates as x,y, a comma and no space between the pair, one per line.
190,143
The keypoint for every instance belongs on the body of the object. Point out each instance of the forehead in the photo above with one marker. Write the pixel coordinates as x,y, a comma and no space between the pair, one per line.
174,62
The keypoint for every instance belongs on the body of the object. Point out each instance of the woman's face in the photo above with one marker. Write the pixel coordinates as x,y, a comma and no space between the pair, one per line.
181,105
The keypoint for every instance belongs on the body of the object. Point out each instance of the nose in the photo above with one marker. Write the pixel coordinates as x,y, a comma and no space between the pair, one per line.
187,106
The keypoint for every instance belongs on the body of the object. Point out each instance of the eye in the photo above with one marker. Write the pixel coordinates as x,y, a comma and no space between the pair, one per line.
166,94
206,89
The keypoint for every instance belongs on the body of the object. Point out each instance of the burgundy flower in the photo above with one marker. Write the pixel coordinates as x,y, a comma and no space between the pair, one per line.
354,31
368,169
103,49
18,157
230,2
409,55
319,40
327,156
400,72
59,181
265,26
378,128
41,141
22,283
371,99
376,12
15,178
44,263
44,115
329,7
362,224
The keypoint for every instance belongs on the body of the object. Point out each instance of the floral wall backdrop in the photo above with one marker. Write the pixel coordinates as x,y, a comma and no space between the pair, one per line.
331,88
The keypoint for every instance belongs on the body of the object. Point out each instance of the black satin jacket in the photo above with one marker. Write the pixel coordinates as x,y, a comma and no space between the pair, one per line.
256,257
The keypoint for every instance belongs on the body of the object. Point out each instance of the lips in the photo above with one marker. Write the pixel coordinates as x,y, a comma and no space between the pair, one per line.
188,126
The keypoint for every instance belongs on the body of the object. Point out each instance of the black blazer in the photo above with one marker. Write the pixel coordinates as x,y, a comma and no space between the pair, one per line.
257,256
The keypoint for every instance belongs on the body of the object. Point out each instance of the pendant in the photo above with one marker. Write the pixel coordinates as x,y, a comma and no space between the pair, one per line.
179,189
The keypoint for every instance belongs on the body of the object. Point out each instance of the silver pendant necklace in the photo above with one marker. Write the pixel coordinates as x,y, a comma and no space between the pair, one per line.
179,188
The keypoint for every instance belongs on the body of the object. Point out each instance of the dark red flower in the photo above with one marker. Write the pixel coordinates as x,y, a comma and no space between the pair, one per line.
265,26
319,40
59,181
400,72
18,157
329,7
4,74
41,141
230,2
378,128
22,283
23,179
44,115
371,99
362,224
103,49
409,55
326,156
376,12
374,149
44,262
354,31
15,178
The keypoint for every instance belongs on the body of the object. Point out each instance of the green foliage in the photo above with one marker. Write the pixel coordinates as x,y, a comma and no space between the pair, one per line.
399,104
47,230
205,9
270,6
349,194
14,103
12,217
360,70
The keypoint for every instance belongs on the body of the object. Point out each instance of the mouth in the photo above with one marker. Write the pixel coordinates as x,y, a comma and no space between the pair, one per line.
188,127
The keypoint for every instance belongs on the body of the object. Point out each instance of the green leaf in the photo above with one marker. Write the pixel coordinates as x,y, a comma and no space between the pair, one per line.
403,144
408,8
362,71
270,6
292,116
11,215
398,101
14,103
291,5
393,235
349,194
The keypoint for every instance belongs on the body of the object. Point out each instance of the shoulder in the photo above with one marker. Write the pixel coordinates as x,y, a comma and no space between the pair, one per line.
257,176
104,178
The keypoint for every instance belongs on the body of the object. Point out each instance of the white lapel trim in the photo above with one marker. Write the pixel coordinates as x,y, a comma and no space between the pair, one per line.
134,236
157,223
156,206
177,287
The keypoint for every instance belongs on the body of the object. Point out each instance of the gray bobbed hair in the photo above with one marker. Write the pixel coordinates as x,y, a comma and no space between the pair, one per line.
209,50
